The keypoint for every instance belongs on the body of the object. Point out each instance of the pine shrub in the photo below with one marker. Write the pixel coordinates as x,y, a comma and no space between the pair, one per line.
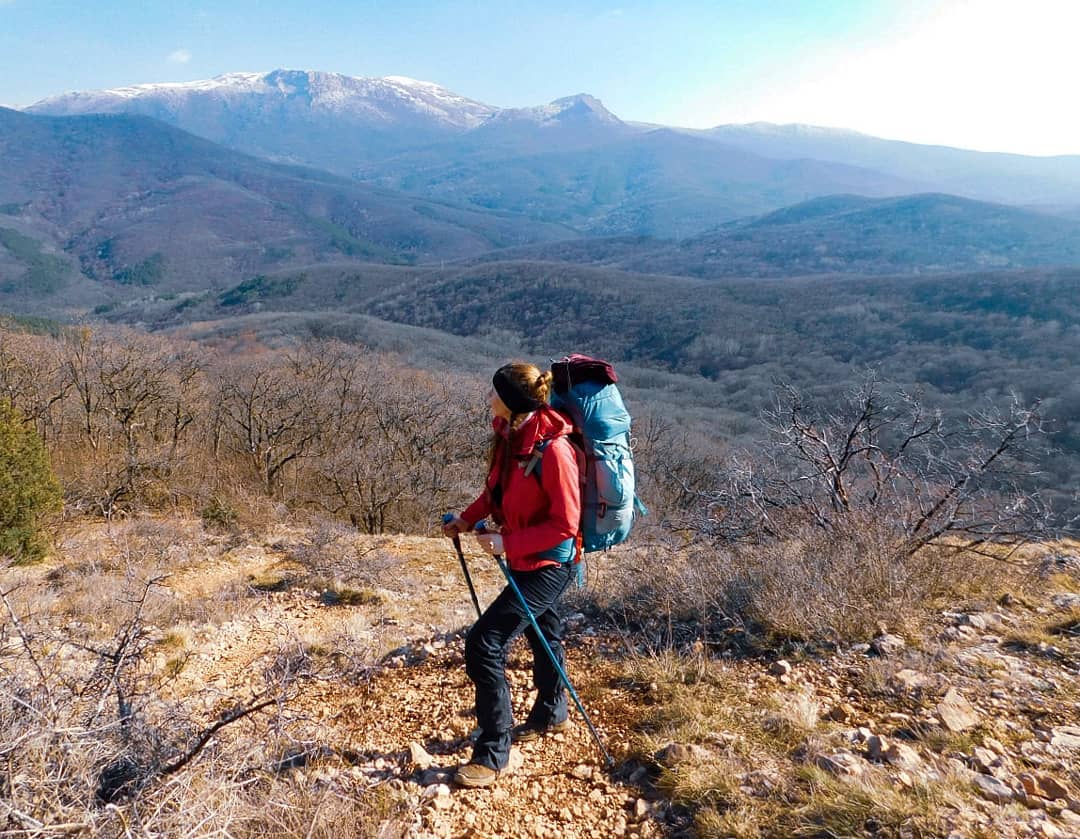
28,489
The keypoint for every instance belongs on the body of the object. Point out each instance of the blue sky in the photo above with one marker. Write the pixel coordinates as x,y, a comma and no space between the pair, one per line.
985,74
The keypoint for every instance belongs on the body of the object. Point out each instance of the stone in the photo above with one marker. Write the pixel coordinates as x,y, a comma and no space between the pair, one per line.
843,764
886,645
420,757
1070,817
993,789
983,759
1043,786
435,791
1028,782
517,760
910,681
676,753
902,756
981,622
1066,601
444,800
641,809
844,712
955,712
780,668
876,747
582,772
1066,737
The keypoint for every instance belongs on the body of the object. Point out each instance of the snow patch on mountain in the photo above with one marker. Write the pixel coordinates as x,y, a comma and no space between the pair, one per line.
388,99
581,106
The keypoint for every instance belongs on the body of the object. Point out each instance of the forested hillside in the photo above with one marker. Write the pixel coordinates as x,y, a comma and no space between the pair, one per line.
100,208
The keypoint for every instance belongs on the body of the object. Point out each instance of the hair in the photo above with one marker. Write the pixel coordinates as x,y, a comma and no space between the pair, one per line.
529,379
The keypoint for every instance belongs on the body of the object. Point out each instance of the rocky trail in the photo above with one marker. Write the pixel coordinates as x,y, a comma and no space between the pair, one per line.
976,716
406,723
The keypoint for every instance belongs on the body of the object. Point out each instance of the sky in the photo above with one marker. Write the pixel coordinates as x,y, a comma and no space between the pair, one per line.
992,75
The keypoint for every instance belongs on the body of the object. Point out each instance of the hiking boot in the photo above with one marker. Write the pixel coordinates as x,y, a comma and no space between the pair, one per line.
530,731
475,775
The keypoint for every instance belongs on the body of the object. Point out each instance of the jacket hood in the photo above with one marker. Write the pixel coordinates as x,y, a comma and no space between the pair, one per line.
545,423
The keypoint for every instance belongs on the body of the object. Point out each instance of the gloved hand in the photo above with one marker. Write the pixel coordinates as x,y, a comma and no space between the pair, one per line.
491,543
454,526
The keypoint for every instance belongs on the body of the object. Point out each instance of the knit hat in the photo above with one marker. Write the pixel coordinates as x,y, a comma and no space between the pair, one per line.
510,392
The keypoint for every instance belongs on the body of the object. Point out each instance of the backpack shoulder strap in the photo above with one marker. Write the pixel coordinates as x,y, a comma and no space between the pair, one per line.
537,455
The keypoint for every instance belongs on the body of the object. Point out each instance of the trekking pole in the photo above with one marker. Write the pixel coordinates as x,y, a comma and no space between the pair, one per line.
449,517
608,759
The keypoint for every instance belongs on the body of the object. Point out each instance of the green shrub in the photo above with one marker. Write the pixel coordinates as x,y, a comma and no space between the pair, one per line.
28,489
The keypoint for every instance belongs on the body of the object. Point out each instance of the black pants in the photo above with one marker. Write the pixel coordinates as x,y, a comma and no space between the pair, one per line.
486,648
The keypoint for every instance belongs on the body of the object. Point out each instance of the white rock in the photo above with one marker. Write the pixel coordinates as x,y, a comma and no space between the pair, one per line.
435,791
1066,737
886,645
993,789
876,747
911,681
955,712
780,668
1066,601
420,757
902,756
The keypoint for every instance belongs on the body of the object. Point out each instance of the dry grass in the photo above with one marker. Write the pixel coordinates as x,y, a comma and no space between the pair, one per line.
97,637
812,586
755,776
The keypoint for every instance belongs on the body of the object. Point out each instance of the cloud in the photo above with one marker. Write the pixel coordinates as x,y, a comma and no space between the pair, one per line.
180,56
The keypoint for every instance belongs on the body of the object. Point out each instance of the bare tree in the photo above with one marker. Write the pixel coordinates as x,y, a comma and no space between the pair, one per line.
890,457
32,377
272,415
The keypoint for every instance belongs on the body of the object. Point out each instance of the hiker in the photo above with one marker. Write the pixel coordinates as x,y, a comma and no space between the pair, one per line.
539,517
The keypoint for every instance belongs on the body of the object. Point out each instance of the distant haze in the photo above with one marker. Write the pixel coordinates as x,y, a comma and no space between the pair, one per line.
990,75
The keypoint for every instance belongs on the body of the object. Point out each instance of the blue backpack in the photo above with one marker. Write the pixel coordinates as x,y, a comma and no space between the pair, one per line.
585,392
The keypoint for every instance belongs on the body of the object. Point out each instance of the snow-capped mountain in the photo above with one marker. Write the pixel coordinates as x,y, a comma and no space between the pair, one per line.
581,107
392,99
573,122
422,138
325,119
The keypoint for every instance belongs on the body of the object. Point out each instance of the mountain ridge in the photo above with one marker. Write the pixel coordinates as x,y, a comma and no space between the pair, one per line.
552,162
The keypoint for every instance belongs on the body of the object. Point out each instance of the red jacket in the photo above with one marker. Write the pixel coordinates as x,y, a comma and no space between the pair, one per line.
537,514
